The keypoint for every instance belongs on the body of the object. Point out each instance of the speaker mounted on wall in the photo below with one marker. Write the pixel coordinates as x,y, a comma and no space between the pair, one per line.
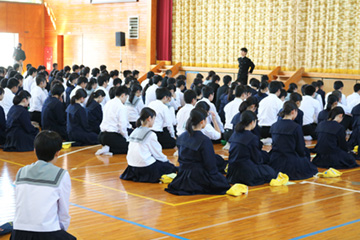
120,39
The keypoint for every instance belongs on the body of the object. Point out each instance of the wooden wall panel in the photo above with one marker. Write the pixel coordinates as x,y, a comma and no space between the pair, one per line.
3,17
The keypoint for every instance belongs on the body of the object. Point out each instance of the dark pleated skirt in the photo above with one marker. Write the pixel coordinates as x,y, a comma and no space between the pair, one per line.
83,138
19,141
338,160
26,235
220,163
151,173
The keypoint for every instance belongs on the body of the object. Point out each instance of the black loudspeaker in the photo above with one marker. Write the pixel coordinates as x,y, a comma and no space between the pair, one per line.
120,39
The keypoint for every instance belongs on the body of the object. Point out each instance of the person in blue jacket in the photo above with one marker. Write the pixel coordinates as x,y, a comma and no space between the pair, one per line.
94,110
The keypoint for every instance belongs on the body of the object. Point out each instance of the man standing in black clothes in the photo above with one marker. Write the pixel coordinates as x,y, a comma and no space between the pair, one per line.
19,56
244,65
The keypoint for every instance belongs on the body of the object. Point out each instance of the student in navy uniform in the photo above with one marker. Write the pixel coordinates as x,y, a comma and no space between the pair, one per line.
223,89
244,65
225,98
215,86
146,162
255,85
332,102
2,119
321,91
331,148
296,98
20,133
53,115
198,173
289,154
134,104
247,160
77,125
70,86
262,93
94,110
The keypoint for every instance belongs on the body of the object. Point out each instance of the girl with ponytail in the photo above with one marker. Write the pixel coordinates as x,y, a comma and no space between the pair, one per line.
289,154
146,162
78,129
198,172
331,148
247,162
134,104
332,101
70,83
94,110
20,133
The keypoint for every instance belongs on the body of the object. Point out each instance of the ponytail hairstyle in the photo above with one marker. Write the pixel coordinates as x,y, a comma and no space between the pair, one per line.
334,112
263,86
248,103
292,87
231,90
196,116
19,97
287,108
91,83
94,95
147,86
210,74
80,93
72,77
145,113
203,105
246,118
133,89
332,98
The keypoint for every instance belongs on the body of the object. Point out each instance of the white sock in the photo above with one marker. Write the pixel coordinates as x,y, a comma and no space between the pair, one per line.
104,149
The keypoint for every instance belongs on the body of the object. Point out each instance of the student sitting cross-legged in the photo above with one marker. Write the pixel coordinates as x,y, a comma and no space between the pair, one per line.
94,110
198,173
146,161
42,192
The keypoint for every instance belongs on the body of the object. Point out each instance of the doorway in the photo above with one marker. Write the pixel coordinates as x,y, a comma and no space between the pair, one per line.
8,42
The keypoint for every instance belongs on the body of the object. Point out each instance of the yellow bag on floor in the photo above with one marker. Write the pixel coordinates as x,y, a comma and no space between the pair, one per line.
330,173
167,178
282,179
356,149
238,189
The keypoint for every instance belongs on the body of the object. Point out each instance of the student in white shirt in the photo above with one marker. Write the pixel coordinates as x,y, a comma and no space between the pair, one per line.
113,74
232,108
95,73
38,97
103,81
134,104
150,94
42,193
208,96
311,108
146,162
354,98
175,103
80,84
163,126
149,75
11,88
180,86
29,79
114,126
184,112
338,85
212,132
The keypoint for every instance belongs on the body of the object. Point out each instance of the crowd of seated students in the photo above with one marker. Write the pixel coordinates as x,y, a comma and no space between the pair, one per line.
92,106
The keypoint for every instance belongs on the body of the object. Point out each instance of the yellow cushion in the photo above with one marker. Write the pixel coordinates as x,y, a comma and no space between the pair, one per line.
282,179
238,189
167,178
330,173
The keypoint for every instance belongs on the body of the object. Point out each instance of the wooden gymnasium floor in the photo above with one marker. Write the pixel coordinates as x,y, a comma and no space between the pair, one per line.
104,207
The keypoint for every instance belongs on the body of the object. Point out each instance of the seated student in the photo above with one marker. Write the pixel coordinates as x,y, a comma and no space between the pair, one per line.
222,90
208,96
255,85
149,75
209,78
283,95
163,126
53,115
94,110
215,80
184,113
331,148
38,97
198,172
198,91
91,86
2,120
70,86
164,81
292,88
289,154
150,94
269,108
30,79
117,82
232,108
347,121
128,81
114,126
247,160
354,98
20,133
338,86
180,86
296,98
9,94
225,99
262,93
127,73
134,104
135,74
196,83
211,131
103,80
42,194
174,102
332,102
113,74
146,162
78,128
80,84
317,96
311,109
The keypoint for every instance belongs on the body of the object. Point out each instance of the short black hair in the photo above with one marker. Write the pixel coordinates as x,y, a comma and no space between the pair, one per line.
215,78
82,80
199,75
295,97
57,89
54,65
162,92
126,73
189,95
244,50
75,67
156,79
95,72
240,90
255,83
207,91
309,90
274,86
102,79
121,90
338,85
171,81
46,144
18,76
102,68
16,66
40,79
135,72
67,69
283,93
227,79
114,73
357,87
117,81
12,82
171,87
180,83
150,74
168,72
321,83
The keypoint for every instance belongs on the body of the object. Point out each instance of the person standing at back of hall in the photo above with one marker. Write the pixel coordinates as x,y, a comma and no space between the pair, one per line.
244,64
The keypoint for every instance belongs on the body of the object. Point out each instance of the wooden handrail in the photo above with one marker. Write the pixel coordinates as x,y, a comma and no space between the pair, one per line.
295,78
175,69
155,69
274,73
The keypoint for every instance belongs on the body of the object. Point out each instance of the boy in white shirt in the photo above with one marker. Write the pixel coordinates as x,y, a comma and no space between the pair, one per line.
150,94
10,90
338,85
354,98
180,86
184,113
29,79
80,84
149,75
103,81
38,97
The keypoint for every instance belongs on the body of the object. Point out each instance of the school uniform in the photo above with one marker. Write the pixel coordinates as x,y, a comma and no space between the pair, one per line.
213,109
215,87
260,97
150,95
174,103
210,132
38,97
198,171
134,110
331,148
244,64
20,133
236,119
78,128
95,116
247,162
343,98
146,162
73,92
269,108
2,126
114,127
231,109
253,91
180,97
353,100
163,125
144,83
67,94
42,192
110,84
298,119
311,108
322,94
221,90
182,117
53,116
107,96
7,101
289,154
28,82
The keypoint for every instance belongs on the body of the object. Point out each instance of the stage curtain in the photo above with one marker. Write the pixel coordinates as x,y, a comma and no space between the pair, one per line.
320,35
164,29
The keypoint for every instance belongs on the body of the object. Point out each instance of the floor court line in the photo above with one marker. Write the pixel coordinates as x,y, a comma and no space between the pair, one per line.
128,221
79,150
257,215
330,186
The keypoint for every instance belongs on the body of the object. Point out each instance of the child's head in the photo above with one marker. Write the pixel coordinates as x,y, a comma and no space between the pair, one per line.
208,92
163,94
114,74
264,87
200,76
22,98
282,95
244,52
197,120
73,78
79,96
171,81
150,74
292,88
168,73
321,84
16,67
332,102
135,91
289,110
197,82
76,68
215,79
98,96
275,87
338,85
13,85
92,84
112,92
357,88
180,84
85,72
203,105
157,79
251,104
102,68
172,89
247,119
240,91
47,145
338,94
210,74
82,81
198,91
67,69
41,82
310,90
127,73
122,92
117,82
227,79
296,98
190,97
135,74
255,83
20,78
315,84
147,118
57,90
336,114
103,80
95,72
32,72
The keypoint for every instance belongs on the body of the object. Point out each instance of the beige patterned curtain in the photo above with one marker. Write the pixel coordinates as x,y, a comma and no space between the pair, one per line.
320,35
